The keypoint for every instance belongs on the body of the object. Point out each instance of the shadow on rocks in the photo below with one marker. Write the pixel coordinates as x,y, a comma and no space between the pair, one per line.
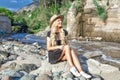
83,62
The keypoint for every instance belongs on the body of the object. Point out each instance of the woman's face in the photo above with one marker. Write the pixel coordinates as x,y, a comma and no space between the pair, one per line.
59,23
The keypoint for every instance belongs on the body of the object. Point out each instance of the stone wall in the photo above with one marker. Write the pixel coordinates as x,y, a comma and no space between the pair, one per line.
94,27
5,24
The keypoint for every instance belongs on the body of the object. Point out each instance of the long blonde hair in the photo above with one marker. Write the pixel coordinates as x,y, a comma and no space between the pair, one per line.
62,36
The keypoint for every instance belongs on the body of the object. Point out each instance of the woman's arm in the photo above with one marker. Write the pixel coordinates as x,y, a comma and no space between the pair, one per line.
67,40
49,47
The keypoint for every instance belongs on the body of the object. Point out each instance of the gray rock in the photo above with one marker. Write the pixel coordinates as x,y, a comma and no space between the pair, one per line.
23,73
106,71
28,77
11,73
76,79
67,75
93,54
5,78
56,78
13,65
82,78
26,67
56,75
69,79
12,57
44,77
96,77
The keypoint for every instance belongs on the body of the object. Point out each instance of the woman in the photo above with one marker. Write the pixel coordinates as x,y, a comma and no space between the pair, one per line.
59,49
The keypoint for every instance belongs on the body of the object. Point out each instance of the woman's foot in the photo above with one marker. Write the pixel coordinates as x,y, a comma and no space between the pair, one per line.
85,75
74,71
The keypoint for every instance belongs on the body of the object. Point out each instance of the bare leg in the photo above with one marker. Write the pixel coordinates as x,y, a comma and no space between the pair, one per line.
69,55
66,55
76,60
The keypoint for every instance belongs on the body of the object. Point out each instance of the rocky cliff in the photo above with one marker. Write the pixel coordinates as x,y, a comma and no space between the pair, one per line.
29,7
5,25
87,23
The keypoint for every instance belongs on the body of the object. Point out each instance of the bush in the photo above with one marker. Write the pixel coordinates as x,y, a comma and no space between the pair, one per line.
102,13
8,13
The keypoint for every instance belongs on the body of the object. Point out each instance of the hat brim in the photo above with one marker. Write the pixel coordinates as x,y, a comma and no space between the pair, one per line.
58,17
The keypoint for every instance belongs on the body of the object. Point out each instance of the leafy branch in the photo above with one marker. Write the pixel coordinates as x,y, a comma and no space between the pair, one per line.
101,11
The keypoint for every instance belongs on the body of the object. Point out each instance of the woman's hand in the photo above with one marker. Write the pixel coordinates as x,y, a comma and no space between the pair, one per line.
61,47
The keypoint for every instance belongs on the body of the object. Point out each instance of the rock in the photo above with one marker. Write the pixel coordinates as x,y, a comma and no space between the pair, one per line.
5,26
11,73
26,67
44,68
4,54
82,78
67,75
93,54
6,78
12,57
106,71
60,66
28,77
23,73
96,77
44,77
13,65
89,4
69,79
20,58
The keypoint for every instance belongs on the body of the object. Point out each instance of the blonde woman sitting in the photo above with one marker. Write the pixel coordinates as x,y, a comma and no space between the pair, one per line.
59,49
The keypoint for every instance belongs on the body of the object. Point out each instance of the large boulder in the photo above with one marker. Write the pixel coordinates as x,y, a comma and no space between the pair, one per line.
5,25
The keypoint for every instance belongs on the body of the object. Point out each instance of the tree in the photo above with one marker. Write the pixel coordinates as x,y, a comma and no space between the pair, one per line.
8,13
74,19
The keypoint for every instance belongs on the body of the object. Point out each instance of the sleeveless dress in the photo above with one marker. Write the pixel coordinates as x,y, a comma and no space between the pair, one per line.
54,55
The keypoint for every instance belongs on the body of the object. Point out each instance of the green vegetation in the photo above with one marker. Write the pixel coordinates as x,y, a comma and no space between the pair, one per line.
102,13
38,19
79,5
8,13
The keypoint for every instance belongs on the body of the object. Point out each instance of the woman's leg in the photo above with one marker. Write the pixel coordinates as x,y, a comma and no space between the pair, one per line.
69,55
78,66
66,55
76,60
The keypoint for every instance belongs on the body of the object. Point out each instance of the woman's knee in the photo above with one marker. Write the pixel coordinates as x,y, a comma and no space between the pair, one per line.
66,47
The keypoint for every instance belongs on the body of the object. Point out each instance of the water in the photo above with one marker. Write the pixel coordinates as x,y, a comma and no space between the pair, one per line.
14,5
27,39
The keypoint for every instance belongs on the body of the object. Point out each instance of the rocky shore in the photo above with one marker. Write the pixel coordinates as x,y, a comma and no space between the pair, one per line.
20,61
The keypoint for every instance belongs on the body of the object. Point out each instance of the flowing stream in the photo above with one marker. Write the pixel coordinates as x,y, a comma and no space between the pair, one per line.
27,38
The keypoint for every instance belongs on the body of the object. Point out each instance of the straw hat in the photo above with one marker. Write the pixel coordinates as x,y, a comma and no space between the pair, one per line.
55,17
